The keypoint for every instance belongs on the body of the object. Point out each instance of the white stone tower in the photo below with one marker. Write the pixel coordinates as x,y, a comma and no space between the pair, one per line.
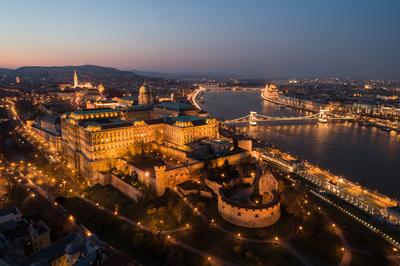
76,82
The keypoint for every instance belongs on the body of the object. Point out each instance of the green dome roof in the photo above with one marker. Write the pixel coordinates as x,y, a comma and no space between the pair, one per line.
144,89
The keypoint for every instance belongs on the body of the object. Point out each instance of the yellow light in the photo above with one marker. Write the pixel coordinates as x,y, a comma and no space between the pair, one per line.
276,238
333,225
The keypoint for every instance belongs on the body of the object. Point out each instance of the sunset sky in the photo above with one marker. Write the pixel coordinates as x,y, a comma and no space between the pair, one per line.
282,38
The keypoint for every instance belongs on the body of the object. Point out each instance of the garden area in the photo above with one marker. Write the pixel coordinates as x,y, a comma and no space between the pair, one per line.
146,248
161,213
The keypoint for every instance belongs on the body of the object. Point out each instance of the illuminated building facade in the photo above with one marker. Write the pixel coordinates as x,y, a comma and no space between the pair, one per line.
270,92
91,137
76,84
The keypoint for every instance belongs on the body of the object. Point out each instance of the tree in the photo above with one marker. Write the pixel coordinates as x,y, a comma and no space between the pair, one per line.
225,166
177,209
294,201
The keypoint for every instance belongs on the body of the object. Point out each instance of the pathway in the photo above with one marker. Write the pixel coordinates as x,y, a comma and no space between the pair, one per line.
282,242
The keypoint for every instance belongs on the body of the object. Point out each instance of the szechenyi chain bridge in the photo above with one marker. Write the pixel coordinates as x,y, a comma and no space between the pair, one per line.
253,118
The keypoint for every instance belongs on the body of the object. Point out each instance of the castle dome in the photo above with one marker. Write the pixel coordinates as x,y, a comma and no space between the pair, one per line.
144,89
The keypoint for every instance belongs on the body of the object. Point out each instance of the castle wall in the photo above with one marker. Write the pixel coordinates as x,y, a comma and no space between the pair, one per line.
125,188
214,186
129,169
249,217
246,144
233,159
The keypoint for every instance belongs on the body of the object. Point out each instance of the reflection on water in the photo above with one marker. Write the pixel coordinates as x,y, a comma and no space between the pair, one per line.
366,155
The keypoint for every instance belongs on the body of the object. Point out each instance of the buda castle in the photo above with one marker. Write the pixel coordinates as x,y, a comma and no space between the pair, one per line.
92,139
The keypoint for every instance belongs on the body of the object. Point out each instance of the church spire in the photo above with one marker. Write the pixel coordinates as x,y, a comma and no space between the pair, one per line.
76,82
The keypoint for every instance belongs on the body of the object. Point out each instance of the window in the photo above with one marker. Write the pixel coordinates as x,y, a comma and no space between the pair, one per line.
256,215
239,214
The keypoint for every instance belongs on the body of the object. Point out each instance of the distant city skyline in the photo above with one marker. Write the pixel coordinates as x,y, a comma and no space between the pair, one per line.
268,39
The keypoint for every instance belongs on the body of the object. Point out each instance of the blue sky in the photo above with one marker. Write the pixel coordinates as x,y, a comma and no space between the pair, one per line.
286,38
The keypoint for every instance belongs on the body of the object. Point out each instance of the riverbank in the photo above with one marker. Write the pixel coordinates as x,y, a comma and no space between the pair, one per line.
362,120
360,154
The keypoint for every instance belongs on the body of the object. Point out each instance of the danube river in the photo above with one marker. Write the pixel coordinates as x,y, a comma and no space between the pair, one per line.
366,155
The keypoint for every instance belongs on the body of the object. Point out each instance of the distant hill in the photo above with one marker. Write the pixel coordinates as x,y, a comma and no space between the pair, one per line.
5,71
189,75
85,69
64,74
150,73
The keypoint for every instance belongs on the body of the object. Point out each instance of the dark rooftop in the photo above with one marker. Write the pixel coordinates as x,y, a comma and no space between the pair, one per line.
178,106
93,111
9,210
54,251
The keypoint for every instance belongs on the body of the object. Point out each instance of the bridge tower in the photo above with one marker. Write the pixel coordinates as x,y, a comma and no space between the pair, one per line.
322,116
253,118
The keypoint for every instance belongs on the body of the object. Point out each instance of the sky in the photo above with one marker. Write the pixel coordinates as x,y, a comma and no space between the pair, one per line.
257,38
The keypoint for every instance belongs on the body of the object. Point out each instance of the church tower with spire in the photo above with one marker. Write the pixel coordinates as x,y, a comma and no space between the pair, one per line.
76,82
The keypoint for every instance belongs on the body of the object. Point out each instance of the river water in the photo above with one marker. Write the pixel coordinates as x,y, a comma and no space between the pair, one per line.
361,154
